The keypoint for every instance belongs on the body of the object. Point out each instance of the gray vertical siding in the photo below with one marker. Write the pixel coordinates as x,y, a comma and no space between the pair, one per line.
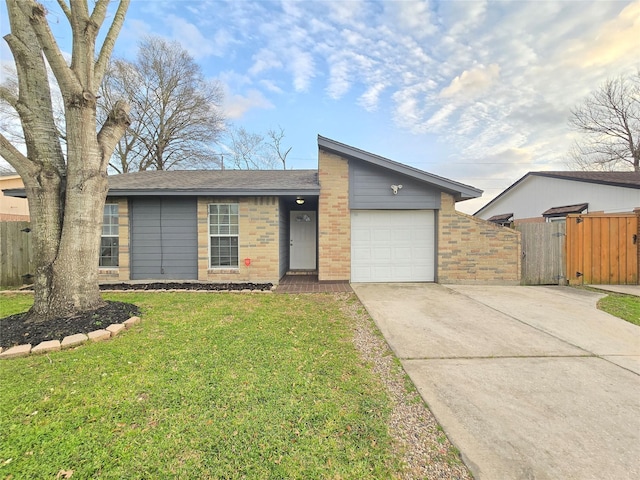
370,189
164,238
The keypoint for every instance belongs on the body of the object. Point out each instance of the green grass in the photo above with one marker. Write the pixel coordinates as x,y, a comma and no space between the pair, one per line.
208,386
626,307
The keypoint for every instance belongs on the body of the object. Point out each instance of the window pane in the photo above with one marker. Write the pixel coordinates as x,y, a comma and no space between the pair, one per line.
109,241
223,231
109,252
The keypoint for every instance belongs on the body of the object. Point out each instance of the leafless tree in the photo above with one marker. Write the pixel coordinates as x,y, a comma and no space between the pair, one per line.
176,113
610,120
254,151
276,137
66,184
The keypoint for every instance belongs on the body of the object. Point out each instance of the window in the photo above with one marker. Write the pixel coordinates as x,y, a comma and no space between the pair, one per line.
109,240
223,233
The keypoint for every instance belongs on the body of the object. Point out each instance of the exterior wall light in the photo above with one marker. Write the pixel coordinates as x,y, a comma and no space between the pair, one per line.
300,201
395,188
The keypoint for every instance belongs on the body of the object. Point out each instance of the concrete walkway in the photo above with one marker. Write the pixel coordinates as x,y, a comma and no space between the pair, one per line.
528,382
626,289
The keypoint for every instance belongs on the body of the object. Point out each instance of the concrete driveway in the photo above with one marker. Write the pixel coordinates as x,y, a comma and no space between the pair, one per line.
528,382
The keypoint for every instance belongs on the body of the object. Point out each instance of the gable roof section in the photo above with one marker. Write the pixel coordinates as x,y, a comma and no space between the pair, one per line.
614,179
459,190
215,182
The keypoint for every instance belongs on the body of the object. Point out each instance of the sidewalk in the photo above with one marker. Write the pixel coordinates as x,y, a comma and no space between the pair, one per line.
626,289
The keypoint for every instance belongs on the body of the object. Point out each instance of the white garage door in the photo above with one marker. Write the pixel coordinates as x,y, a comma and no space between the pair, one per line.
392,246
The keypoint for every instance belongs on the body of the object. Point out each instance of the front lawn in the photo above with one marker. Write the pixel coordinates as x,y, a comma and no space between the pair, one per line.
626,307
208,386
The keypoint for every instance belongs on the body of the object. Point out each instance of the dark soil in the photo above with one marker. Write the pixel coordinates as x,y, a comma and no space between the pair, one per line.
14,331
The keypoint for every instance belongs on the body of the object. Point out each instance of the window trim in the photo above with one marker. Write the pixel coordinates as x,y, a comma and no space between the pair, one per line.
210,235
117,236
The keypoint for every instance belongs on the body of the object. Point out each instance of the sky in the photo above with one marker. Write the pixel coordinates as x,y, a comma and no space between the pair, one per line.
475,91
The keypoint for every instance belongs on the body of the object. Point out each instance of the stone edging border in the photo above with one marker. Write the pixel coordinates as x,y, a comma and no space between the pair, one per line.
68,341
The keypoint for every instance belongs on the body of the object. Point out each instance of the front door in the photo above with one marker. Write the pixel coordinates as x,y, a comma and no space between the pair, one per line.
302,241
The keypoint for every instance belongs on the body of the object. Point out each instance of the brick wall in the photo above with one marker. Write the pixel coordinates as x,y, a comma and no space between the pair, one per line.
258,241
122,272
475,251
334,220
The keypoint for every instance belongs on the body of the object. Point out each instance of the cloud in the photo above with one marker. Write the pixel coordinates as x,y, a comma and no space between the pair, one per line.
615,39
271,86
263,61
198,45
235,105
369,99
472,83
415,17
302,67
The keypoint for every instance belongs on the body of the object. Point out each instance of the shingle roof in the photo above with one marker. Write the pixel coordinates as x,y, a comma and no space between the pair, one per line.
503,217
565,210
202,182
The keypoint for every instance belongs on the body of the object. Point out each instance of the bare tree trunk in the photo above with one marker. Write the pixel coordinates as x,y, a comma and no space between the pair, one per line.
66,194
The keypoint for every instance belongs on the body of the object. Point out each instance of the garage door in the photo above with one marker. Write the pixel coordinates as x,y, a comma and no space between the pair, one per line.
392,246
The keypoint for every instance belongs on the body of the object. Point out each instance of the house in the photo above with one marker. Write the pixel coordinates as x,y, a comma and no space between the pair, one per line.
551,196
12,209
358,218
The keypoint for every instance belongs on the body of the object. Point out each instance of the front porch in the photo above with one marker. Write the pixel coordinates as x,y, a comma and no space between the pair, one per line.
308,283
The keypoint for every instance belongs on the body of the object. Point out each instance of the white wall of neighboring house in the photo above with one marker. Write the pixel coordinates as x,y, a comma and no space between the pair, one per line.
12,208
536,194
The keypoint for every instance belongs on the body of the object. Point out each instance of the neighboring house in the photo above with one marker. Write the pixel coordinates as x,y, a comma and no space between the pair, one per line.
12,208
551,196
359,217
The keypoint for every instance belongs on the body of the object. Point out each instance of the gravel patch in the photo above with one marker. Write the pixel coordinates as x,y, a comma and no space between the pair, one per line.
426,450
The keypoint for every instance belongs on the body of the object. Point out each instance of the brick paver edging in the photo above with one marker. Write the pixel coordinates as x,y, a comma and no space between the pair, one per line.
68,341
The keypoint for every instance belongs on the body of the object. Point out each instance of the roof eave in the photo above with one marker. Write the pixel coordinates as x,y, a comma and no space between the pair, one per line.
218,192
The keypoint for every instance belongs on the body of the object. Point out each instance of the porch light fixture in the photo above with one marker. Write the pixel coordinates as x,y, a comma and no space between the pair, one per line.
300,201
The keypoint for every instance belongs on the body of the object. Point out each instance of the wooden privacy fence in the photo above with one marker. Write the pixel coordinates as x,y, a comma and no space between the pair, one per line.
602,249
15,253
543,259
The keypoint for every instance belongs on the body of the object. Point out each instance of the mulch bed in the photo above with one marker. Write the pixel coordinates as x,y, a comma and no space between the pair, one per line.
14,331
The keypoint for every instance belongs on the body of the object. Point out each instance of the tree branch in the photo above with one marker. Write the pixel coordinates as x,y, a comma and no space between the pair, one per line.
12,155
8,96
99,12
109,42
65,9
36,14
112,131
